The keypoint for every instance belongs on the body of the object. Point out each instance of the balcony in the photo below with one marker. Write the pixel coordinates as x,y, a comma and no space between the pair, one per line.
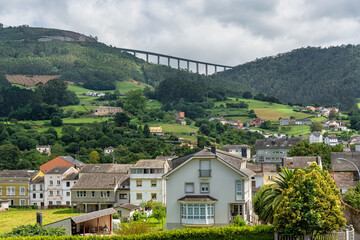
204,173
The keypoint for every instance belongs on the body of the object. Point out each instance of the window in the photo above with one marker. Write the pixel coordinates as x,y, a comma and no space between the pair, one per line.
122,196
50,203
202,212
58,193
189,187
139,183
81,193
57,182
146,171
41,187
41,195
58,202
68,194
92,193
238,189
139,196
153,183
153,196
205,170
0,191
51,182
22,191
22,202
34,195
67,202
105,194
51,193
204,187
137,171
67,184
34,187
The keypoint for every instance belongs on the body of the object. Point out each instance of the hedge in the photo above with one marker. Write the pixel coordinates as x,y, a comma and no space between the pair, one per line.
261,232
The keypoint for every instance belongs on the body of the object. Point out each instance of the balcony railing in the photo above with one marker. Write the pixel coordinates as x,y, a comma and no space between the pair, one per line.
204,173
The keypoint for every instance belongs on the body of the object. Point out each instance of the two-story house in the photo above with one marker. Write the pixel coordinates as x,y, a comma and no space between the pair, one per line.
331,140
36,192
57,185
207,188
101,186
284,121
146,181
240,150
273,150
14,185
315,137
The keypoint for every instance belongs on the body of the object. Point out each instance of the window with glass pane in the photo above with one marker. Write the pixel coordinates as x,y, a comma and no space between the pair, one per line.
238,189
204,188
197,211
22,190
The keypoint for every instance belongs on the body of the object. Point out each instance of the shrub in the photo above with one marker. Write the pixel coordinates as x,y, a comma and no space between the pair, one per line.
34,230
238,222
135,228
352,197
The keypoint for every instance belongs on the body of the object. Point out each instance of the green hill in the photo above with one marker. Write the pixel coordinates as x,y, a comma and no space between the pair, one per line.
307,75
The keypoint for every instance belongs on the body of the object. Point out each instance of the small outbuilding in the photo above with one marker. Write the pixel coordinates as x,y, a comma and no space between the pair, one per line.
127,210
99,222
4,205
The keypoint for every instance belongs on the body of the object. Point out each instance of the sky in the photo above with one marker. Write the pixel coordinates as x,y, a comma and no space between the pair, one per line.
228,32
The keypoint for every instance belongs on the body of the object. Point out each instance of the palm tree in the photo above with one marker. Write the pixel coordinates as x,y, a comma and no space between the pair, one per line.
269,197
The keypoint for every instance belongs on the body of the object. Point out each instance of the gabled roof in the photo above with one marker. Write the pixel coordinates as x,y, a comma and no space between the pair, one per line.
72,161
276,143
235,146
38,180
72,176
316,134
104,181
58,170
301,162
18,173
229,159
129,206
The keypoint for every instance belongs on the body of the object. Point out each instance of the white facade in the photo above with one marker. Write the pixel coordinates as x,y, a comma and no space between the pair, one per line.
44,149
225,190
36,193
331,141
315,138
57,189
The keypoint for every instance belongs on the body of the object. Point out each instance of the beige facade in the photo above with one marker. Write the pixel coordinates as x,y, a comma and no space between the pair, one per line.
104,111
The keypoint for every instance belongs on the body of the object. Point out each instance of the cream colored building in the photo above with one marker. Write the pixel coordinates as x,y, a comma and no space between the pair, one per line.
104,111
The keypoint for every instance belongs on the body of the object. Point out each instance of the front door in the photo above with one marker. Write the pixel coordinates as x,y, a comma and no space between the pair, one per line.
236,209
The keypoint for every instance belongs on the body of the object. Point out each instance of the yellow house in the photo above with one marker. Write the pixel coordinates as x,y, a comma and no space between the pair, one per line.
156,130
14,185
103,111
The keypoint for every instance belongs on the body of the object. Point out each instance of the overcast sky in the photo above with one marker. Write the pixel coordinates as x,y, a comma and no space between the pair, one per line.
219,31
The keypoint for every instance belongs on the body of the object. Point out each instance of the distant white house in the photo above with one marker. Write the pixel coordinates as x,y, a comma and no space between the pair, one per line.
240,150
331,140
315,137
108,150
44,149
207,188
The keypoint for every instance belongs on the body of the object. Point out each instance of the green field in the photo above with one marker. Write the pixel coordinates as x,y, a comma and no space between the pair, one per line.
178,130
265,110
16,217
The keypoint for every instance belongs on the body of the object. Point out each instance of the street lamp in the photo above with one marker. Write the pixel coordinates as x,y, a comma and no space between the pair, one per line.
343,159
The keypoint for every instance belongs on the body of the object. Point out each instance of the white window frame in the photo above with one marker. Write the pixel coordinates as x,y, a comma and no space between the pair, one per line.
51,193
10,191
81,193
51,182
58,182
0,190
189,184
239,189
203,185
197,213
22,202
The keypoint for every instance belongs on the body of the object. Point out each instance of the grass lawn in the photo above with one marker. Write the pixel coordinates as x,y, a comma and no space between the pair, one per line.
124,87
154,104
176,128
16,217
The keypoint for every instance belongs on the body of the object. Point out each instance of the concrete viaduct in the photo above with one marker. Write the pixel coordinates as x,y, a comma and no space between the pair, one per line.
188,61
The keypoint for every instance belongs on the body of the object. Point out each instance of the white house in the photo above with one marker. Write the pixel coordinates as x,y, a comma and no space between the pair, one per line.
146,181
108,150
36,192
315,137
57,189
44,149
240,150
207,188
331,140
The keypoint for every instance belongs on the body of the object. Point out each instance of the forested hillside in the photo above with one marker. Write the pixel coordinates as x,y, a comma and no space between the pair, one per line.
307,75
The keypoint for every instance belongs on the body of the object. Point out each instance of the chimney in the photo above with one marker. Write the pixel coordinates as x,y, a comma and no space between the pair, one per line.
39,218
213,148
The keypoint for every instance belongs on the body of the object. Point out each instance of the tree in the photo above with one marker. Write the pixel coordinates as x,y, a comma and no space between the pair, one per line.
247,95
352,196
146,131
159,214
10,155
136,102
316,127
94,157
121,119
333,115
56,121
310,204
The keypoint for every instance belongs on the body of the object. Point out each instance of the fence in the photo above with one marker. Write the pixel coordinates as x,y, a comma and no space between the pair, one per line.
346,234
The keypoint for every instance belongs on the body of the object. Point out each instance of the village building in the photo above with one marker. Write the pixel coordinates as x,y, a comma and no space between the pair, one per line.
196,196
58,182
272,150
240,150
146,181
104,111
108,150
36,192
331,140
44,149
315,137
284,121
61,161
15,184
156,130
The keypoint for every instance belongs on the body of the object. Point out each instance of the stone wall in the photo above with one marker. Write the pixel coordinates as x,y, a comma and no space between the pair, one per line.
352,216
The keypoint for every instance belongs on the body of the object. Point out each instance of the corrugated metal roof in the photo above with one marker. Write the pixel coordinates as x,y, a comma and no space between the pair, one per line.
93,215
